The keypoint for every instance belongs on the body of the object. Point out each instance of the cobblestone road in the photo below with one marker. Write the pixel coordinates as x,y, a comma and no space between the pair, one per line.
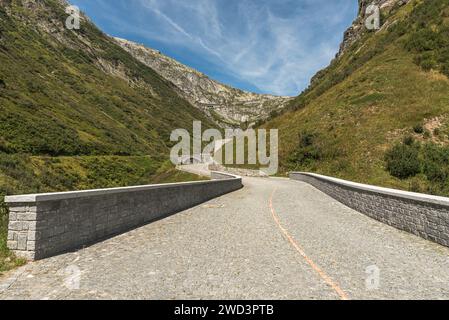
274,239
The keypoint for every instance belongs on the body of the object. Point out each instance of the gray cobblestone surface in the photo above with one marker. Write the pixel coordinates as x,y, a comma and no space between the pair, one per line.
44,228
231,248
427,220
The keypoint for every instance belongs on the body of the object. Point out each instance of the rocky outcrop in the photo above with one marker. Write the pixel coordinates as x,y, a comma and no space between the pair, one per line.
224,104
355,32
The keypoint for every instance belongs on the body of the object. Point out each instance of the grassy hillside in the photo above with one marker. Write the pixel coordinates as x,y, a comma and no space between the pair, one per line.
66,92
28,174
77,111
379,114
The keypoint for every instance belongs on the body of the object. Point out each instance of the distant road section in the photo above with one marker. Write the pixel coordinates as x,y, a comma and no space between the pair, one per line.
274,239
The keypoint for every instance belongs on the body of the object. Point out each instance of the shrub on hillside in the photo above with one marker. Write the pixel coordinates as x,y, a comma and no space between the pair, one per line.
436,132
403,161
419,129
409,140
423,40
426,61
428,37
428,164
436,163
308,150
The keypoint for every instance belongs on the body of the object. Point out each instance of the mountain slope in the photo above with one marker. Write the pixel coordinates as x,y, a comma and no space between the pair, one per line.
77,111
379,113
76,92
224,104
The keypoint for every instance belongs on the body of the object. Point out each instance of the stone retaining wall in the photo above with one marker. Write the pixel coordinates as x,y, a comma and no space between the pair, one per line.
238,171
42,225
420,214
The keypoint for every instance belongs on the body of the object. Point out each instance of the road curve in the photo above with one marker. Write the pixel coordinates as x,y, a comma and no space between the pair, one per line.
274,239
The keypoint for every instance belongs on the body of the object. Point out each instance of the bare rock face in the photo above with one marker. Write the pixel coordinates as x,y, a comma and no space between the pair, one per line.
224,104
356,30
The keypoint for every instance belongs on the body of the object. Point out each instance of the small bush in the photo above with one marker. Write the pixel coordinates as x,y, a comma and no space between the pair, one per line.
436,132
274,114
403,161
409,141
436,163
426,63
306,139
427,37
419,129
308,150
434,172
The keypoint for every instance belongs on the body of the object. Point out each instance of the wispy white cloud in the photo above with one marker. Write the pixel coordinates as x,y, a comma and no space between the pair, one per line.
274,45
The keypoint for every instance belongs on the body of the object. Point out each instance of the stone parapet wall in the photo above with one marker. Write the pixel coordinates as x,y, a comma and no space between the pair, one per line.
420,214
43,225
239,171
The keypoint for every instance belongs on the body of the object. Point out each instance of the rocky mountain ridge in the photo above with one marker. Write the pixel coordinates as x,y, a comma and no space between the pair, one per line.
67,92
355,31
380,108
222,103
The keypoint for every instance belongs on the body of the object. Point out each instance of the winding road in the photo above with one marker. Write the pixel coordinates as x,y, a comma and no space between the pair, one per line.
273,239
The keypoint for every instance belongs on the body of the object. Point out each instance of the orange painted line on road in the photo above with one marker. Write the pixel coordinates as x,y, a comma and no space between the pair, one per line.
313,265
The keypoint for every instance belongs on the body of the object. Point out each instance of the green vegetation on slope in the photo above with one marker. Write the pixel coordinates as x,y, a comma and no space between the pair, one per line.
66,92
30,174
77,111
372,97
424,164
429,36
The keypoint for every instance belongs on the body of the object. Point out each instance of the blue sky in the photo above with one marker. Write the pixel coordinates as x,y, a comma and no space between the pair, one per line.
264,46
